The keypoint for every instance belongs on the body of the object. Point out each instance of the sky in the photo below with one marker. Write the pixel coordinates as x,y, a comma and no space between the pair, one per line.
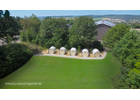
22,13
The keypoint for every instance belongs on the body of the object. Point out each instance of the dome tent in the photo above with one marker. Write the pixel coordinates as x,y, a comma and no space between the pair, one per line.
51,50
73,51
85,53
96,52
62,50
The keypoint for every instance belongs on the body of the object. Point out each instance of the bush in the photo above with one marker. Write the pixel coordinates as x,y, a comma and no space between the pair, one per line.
12,57
119,80
35,48
22,36
79,49
98,45
67,46
133,80
28,36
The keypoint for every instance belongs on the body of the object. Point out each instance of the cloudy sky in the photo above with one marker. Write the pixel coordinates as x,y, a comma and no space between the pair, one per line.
23,13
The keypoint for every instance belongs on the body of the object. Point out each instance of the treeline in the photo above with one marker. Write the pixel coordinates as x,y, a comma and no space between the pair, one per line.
136,25
112,16
123,17
12,56
9,26
58,32
125,45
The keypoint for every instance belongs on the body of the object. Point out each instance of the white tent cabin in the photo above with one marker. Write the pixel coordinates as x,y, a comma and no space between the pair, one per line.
62,50
85,53
96,52
73,51
51,50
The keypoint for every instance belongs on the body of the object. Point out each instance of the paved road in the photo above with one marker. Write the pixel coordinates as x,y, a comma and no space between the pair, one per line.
72,56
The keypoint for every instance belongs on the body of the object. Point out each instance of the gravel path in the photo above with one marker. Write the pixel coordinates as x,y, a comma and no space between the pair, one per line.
72,56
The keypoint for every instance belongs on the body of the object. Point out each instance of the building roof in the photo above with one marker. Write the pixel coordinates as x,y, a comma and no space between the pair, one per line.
105,22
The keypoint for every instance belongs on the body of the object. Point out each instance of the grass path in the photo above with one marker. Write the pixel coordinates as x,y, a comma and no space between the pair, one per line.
64,73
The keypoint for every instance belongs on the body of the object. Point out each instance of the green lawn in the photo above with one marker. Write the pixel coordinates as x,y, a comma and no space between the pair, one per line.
63,73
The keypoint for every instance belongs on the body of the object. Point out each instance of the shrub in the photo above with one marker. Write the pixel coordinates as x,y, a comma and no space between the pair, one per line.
35,48
119,80
98,45
79,49
12,57
22,36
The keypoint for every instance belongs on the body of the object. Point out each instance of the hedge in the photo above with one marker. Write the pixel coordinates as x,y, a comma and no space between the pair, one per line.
12,57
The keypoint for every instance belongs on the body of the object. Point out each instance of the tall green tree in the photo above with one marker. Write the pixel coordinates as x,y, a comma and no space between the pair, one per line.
47,27
128,78
71,21
30,22
127,48
83,32
6,14
114,34
8,27
55,32
60,35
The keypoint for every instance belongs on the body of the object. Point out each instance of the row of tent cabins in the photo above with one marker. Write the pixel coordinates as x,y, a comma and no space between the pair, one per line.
73,51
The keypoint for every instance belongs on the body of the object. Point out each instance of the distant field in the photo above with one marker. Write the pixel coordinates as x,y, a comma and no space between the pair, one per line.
63,73
98,18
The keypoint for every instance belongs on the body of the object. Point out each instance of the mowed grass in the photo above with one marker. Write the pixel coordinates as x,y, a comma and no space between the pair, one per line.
63,73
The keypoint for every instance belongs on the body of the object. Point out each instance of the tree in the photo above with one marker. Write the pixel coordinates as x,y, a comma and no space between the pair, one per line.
48,17
31,22
8,27
54,32
119,80
8,39
7,13
60,35
83,32
22,36
138,62
133,80
47,27
114,34
128,78
127,48
71,22
28,35
35,22
1,13
98,45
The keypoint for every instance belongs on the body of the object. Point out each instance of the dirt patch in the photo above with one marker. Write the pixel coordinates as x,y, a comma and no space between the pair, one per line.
78,54
56,52
44,52
91,55
67,53
102,53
